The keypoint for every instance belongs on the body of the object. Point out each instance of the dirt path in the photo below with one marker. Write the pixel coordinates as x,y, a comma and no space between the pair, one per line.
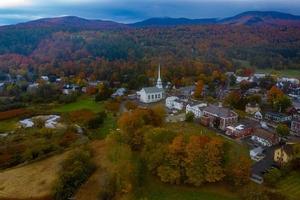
31,181
92,186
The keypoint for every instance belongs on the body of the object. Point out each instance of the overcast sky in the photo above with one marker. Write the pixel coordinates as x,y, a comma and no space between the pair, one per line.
14,11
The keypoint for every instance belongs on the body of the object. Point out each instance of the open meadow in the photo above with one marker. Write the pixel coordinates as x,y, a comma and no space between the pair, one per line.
290,186
31,181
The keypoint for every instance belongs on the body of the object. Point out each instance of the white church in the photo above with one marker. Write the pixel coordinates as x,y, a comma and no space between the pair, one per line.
152,94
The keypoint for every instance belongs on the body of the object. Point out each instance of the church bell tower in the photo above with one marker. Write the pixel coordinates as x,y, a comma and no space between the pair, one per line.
159,82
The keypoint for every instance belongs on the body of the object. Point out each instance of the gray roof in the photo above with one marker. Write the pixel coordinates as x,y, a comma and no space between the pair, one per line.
152,90
220,111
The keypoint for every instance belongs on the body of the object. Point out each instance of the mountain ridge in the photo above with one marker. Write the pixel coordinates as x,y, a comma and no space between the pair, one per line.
246,18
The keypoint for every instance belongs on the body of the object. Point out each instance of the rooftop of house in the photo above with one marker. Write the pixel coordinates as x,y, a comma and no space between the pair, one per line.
288,149
280,115
220,111
152,90
266,135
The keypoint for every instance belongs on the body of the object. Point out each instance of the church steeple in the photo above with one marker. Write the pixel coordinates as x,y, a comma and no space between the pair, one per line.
159,82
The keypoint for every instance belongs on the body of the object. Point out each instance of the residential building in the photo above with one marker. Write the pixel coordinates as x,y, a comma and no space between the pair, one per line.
256,153
174,102
120,92
45,78
277,117
32,87
252,108
283,154
2,87
219,117
295,127
187,91
265,138
239,131
196,109
70,88
258,115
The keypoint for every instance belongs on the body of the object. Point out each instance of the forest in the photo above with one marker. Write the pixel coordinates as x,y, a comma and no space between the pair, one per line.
132,54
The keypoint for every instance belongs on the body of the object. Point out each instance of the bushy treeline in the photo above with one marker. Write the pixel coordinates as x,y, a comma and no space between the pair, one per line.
75,171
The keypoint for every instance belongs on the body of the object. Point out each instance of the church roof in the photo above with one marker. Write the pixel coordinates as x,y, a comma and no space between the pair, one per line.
152,90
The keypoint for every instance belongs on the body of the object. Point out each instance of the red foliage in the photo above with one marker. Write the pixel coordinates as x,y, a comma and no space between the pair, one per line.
13,113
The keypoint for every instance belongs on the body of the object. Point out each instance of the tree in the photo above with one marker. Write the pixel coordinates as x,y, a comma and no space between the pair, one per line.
238,170
198,90
282,130
189,117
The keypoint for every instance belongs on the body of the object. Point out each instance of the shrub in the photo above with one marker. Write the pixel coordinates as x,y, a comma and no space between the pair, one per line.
13,113
75,171
189,117
97,121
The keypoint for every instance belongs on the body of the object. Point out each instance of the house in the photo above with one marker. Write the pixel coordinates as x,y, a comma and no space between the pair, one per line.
174,102
1,87
119,93
265,138
289,80
283,154
70,88
151,94
239,131
187,91
256,153
32,87
277,117
258,115
240,79
219,117
45,78
196,109
295,127
252,108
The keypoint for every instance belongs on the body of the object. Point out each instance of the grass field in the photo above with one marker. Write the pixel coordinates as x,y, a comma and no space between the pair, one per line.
84,103
286,73
156,190
8,125
109,124
30,181
290,186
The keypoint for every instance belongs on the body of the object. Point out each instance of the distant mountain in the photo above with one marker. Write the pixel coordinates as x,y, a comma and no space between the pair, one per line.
68,22
262,18
76,23
167,21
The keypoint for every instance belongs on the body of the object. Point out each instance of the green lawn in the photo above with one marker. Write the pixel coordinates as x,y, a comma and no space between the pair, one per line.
153,189
8,125
287,73
84,103
290,186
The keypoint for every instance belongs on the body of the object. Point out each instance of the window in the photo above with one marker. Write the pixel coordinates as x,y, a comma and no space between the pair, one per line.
155,96
152,96
158,95
149,97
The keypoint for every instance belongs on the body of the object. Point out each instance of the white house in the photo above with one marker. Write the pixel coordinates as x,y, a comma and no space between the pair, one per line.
174,103
256,153
151,94
197,109
45,78
258,115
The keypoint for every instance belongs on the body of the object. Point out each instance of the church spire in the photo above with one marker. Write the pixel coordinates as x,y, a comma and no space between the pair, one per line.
159,82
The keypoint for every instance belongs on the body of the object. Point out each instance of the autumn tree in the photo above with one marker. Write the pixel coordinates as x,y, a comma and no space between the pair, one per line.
198,90
282,130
